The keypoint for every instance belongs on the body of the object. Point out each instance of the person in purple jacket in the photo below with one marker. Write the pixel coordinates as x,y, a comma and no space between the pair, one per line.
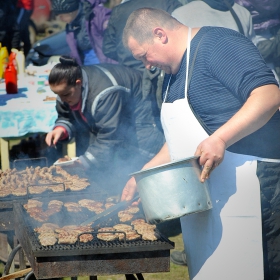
266,23
85,25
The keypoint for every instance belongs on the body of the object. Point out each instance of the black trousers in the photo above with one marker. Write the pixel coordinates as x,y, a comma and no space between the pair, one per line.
269,177
23,22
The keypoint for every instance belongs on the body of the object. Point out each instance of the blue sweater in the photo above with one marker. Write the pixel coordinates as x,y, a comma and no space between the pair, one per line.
227,68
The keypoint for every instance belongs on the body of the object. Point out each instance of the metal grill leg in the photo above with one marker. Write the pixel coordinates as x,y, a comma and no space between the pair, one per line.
10,260
92,277
29,275
22,263
140,276
130,277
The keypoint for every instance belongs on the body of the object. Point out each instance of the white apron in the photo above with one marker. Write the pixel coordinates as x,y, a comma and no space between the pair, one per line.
225,242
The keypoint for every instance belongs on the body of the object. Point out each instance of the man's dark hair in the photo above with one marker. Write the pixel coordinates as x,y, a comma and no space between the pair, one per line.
67,70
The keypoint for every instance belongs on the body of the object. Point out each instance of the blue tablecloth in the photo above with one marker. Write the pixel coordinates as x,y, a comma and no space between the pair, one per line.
26,111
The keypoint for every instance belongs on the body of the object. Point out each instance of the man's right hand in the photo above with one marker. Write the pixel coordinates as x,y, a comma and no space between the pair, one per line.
129,190
53,136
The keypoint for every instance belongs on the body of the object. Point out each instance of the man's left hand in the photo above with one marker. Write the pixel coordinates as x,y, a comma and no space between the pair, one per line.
211,152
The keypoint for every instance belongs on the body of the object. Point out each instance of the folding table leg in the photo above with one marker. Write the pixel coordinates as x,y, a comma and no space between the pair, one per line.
5,161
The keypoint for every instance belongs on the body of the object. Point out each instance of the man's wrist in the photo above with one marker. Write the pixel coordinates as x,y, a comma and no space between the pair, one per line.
64,134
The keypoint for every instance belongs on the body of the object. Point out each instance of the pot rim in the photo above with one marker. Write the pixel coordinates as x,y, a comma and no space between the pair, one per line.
164,165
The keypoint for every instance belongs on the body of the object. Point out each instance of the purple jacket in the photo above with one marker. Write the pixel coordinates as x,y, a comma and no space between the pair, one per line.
95,27
265,14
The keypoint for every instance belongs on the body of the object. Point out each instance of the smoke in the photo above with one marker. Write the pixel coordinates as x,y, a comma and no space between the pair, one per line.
33,151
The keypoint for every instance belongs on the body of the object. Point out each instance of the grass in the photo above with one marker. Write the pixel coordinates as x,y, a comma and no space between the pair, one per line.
177,272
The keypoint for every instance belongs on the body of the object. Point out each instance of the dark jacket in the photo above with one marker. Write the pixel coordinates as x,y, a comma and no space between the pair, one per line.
9,30
97,17
265,14
270,50
124,124
112,40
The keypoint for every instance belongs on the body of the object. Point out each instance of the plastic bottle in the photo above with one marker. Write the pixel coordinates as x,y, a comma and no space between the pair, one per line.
10,76
4,57
20,58
12,58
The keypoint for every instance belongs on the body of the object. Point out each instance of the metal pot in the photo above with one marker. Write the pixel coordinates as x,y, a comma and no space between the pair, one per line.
172,190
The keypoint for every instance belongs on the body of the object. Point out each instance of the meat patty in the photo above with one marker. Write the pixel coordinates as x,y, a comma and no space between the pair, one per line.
73,207
122,227
125,216
130,235
138,221
86,237
47,239
107,236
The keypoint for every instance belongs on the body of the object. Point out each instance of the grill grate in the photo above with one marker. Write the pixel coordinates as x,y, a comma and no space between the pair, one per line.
93,258
95,246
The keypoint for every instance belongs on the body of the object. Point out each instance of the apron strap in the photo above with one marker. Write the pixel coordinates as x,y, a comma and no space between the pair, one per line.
188,82
188,72
187,66
187,61
167,89
192,66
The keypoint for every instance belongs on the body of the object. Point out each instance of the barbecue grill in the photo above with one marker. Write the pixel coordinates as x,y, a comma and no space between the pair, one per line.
92,258
6,216
6,203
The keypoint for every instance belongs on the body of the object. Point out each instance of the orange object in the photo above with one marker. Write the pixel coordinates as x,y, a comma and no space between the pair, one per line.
10,76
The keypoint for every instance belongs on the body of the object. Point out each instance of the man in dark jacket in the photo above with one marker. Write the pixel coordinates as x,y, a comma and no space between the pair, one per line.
106,100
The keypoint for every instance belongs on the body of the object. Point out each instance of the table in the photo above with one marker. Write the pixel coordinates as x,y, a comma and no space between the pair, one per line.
24,113
21,114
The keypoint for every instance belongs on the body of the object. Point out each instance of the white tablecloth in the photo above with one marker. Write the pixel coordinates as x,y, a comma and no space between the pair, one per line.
26,112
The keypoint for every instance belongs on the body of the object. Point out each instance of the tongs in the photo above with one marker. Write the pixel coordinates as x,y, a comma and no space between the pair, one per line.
105,215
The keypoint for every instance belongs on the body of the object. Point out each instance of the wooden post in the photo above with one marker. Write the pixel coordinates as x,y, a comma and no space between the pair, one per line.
71,149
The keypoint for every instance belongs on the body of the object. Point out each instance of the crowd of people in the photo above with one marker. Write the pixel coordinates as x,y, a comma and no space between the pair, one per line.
115,114
149,82
14,22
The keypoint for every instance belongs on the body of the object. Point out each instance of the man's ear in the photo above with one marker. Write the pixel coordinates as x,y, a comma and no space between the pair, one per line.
160,34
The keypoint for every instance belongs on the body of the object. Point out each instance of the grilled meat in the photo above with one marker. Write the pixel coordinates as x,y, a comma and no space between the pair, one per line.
38,180
107,234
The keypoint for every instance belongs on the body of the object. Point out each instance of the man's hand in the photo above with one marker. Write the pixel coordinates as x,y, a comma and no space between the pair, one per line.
53,136
211,152
129,190
131,187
